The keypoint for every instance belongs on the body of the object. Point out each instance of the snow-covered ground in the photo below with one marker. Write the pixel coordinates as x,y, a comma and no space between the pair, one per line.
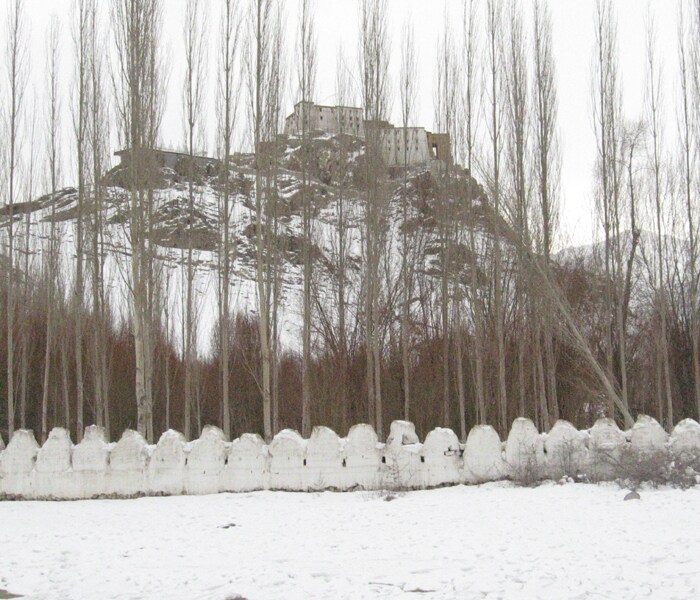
490,541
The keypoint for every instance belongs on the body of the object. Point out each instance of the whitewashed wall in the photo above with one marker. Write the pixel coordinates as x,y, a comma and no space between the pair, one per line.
130,467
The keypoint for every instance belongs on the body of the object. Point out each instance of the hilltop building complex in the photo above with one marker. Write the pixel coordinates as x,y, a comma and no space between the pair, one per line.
414,145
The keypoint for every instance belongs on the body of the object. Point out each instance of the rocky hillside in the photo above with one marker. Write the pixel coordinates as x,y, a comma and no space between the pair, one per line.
336,182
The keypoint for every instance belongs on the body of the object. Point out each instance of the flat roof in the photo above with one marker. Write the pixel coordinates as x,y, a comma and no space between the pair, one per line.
329,105
165,151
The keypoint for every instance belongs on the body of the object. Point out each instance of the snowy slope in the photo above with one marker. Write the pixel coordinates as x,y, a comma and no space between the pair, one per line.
495,541
171,216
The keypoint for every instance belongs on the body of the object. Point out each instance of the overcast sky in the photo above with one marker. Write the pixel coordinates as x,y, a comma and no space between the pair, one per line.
337,23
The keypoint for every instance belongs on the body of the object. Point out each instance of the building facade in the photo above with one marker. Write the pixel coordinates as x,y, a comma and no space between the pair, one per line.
329,119
439,146
159,158
411,145
404,145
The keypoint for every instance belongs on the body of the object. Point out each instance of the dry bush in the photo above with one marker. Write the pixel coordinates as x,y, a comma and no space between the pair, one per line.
526,473
654,467
684,471
642,466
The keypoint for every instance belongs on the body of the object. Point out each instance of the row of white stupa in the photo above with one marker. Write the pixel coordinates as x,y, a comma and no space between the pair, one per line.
130,467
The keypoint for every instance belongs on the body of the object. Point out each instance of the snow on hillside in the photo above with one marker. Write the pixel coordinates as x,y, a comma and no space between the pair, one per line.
575,541
171,216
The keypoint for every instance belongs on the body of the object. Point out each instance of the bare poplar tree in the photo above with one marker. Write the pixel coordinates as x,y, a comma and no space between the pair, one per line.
168,339
27,268
51,262
546,155
601,110
258,57
342,227
470,103
374,66
494,65
153,267
407,90
689,66
275,247
517,117
306,49
64,334
17,60
608,133
137,25
227,112
193,96
446,106
654,112
81,39
98,140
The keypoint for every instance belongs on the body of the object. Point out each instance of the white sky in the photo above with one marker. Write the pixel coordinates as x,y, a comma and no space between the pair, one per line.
336,22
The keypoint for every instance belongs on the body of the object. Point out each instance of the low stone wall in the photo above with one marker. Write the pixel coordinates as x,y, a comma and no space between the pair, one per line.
130,467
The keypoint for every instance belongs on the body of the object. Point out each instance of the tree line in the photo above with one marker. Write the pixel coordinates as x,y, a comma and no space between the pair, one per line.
459,310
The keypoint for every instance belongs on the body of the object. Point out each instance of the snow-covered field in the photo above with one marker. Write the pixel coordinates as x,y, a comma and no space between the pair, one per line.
489,541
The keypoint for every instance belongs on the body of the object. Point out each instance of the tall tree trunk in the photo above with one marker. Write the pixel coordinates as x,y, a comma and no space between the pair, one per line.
469,126
690,92
194,43
494,29
547,171
261,16
654,108
17,78
229,39
306,50
374,60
